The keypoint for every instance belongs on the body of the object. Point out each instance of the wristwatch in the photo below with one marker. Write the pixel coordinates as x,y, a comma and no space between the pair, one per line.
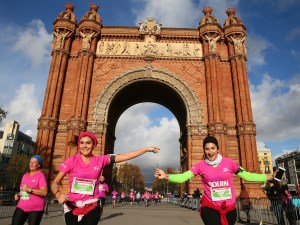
31,190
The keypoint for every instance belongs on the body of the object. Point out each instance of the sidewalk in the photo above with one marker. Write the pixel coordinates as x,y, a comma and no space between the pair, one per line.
134,215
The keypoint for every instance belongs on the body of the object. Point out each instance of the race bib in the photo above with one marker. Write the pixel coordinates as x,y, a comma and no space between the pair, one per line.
24,195
220,193
83,186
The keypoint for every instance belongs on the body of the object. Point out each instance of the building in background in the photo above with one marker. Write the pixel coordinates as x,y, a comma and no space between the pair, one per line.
291,162
13,141
265,160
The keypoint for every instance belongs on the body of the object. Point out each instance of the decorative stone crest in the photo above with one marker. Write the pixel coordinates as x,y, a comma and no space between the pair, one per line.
150,26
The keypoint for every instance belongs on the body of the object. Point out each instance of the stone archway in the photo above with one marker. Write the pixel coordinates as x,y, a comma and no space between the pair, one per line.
136,86
192,105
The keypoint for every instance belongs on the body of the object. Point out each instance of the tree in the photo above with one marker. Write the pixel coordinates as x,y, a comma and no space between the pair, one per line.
130,176
3,114
164,186
16,167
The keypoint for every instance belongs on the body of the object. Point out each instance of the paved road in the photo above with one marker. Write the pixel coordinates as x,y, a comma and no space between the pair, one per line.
134,215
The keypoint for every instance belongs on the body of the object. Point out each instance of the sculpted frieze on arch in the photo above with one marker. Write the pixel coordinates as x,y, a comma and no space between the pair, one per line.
193,107
148,47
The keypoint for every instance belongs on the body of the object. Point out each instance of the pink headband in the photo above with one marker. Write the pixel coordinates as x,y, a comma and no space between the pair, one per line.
89,134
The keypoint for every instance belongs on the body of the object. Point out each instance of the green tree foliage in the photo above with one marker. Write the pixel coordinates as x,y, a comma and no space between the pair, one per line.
16,167
3,114
130,176
163,186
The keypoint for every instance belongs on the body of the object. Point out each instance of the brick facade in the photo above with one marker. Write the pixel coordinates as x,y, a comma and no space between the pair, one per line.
200,74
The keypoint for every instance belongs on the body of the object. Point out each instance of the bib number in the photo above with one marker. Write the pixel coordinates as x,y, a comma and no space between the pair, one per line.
83,186
220,193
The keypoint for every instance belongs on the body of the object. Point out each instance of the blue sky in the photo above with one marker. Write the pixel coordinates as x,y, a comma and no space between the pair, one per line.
273,34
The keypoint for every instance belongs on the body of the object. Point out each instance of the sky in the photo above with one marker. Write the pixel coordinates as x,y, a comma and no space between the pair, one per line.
273,53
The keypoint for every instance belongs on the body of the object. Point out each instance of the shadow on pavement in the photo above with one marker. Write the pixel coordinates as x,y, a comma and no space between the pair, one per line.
112,216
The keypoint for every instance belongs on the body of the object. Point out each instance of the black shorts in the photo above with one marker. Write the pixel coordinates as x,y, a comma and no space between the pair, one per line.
102,202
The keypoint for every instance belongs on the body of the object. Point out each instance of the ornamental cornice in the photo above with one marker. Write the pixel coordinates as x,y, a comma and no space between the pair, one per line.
171,33
217,127
231,131
212,55
234,29
247,128
196,129
238,56
47,123
64,24
76,124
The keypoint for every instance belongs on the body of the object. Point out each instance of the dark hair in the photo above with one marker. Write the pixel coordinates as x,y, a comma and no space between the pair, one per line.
210,139
285,187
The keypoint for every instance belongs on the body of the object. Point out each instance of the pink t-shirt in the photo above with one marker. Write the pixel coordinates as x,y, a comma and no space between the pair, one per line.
84,172
28,201
131,195
103,188
217,181
114,194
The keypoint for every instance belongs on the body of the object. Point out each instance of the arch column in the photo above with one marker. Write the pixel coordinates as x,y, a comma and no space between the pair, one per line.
211,34
64,28
88,31
235,34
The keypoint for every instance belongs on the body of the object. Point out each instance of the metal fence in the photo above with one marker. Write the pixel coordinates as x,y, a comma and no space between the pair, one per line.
260,210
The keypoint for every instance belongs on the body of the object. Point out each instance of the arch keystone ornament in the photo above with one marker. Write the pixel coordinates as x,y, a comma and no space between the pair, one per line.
199,74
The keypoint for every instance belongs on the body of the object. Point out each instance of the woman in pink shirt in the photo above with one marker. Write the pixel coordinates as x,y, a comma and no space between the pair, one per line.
103,189
219,198
114,198
131,196
122,197
81,205
33,189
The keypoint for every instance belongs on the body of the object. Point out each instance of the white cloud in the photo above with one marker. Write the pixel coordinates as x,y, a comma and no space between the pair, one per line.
34,43
171,13
135,130
256,46
24,62
182,13
261,145
275,107
293,34
24,109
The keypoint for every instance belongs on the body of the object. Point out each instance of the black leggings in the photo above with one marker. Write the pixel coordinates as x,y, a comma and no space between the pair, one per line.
20,217
91,218
211,216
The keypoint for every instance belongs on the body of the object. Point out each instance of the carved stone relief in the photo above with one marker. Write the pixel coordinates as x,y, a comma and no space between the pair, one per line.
149,47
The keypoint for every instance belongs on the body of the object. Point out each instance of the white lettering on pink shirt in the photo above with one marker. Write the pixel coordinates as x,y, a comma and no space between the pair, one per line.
222,183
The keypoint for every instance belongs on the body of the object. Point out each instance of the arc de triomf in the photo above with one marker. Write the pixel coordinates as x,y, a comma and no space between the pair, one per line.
200,75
